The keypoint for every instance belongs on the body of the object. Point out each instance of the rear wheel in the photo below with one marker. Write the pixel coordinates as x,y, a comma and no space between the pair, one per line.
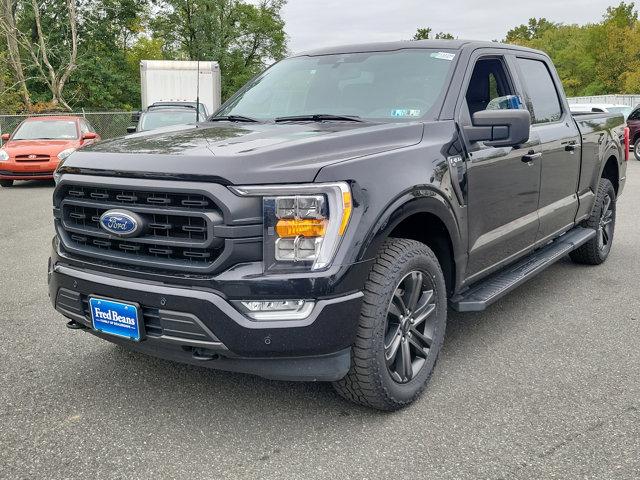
603,220
401,330
6,183
636,149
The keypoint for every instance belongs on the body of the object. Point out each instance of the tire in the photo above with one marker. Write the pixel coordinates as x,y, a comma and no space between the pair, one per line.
6,183
603,220
400,266
636,149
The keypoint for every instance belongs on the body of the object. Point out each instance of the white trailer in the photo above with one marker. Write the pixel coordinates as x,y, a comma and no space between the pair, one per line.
177,81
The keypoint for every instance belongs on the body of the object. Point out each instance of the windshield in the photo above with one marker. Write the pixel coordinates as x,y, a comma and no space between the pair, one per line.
623,110
164,118
47,130
398,85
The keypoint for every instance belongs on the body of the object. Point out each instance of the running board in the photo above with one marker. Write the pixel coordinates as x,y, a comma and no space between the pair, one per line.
482,294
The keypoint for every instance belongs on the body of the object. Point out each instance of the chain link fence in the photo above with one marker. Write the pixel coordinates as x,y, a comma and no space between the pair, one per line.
107,124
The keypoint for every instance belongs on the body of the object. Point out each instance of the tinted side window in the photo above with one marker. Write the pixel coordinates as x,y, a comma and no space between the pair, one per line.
635,115
488,81
543,101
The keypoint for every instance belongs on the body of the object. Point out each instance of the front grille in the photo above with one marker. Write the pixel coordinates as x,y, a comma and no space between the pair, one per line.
189,227
33,158
26,174
178,232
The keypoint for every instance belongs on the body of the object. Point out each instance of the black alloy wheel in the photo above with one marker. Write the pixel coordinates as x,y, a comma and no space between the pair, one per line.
410,326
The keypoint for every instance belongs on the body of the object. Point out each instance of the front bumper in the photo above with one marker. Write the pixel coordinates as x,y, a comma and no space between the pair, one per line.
200,326
26,175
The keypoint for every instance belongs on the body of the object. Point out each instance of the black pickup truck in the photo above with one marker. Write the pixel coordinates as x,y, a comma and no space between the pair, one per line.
319,225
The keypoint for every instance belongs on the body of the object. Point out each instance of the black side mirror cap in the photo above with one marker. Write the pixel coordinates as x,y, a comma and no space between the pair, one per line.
499,128
131,129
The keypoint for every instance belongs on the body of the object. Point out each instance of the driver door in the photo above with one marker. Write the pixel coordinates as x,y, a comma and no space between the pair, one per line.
503,183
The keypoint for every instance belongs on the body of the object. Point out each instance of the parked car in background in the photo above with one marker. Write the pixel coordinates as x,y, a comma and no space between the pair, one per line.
34,149
166,114
633,122
625,110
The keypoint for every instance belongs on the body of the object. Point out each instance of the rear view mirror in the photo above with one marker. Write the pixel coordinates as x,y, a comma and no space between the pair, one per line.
131,129
89,136
5,137
499,128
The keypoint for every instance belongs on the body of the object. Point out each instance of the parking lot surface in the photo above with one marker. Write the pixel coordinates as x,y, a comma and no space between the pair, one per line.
544,384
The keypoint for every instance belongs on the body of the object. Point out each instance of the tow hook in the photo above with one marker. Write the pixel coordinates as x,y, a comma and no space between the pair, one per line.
73,325
203,355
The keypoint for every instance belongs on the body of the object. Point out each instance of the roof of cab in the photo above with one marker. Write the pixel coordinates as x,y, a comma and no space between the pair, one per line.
413,44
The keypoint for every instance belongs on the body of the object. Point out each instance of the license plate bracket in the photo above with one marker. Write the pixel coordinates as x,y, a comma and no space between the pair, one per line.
117,318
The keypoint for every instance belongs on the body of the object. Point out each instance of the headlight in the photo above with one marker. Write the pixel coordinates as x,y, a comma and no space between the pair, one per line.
303,224
4,156
56,173
65,153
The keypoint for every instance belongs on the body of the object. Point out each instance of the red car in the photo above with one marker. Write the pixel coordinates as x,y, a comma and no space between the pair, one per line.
34,149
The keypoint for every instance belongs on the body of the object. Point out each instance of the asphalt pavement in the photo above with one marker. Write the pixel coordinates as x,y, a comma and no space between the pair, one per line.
544,384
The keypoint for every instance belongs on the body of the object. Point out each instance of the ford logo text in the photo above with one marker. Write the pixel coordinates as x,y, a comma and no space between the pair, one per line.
121,223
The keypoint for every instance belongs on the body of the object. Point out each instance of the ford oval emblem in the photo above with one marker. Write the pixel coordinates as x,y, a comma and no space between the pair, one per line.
121,223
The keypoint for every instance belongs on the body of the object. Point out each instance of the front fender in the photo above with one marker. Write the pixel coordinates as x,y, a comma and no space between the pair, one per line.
421,199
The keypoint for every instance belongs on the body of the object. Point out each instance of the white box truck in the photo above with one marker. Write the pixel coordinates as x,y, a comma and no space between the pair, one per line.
177,81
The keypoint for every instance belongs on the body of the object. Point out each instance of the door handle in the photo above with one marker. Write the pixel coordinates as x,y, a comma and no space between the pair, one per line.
531,156
570,148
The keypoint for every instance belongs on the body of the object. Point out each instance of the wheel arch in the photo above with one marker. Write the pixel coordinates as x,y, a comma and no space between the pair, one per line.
427,218
611,171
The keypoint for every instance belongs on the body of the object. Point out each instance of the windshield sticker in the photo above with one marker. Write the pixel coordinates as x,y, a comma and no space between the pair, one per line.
405,112
443,55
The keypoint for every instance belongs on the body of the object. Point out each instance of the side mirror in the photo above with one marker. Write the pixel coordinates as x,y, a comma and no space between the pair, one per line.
89,136
131,129
6,137
499,128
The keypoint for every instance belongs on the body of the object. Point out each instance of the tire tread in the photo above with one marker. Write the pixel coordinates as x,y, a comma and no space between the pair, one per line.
363,384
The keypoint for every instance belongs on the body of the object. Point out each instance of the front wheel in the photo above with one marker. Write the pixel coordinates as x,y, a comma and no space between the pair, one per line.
6,183
401,329
636,149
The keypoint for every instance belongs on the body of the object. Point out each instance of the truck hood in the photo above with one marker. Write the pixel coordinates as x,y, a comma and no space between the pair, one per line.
244,153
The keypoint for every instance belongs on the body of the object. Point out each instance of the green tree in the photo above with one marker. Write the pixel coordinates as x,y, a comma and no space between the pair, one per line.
425,34
535,29
109,39
592,59
243,38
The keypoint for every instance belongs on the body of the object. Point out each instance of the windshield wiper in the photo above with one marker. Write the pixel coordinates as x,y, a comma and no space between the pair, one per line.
319,117
233,118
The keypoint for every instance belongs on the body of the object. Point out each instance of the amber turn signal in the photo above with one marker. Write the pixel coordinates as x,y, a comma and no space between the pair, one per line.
287,228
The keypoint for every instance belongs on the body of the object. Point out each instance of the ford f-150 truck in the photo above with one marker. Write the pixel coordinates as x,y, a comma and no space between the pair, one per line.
319,225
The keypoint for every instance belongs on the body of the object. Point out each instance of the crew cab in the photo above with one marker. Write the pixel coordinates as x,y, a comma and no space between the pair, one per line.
33,150
322,222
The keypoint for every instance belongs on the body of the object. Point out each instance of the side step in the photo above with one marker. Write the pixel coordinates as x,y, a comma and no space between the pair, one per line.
482,294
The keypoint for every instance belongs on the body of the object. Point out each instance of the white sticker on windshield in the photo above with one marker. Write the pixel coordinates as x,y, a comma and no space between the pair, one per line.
443,55
405,112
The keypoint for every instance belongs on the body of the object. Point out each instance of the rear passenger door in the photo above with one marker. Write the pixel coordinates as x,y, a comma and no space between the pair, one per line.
560,145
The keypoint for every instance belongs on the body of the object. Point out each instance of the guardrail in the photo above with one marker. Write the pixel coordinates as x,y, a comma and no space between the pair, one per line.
630,100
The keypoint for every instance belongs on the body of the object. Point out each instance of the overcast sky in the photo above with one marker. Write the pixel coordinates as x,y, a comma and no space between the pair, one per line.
319,23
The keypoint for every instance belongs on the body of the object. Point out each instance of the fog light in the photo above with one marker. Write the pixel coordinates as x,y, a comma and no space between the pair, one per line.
275,309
